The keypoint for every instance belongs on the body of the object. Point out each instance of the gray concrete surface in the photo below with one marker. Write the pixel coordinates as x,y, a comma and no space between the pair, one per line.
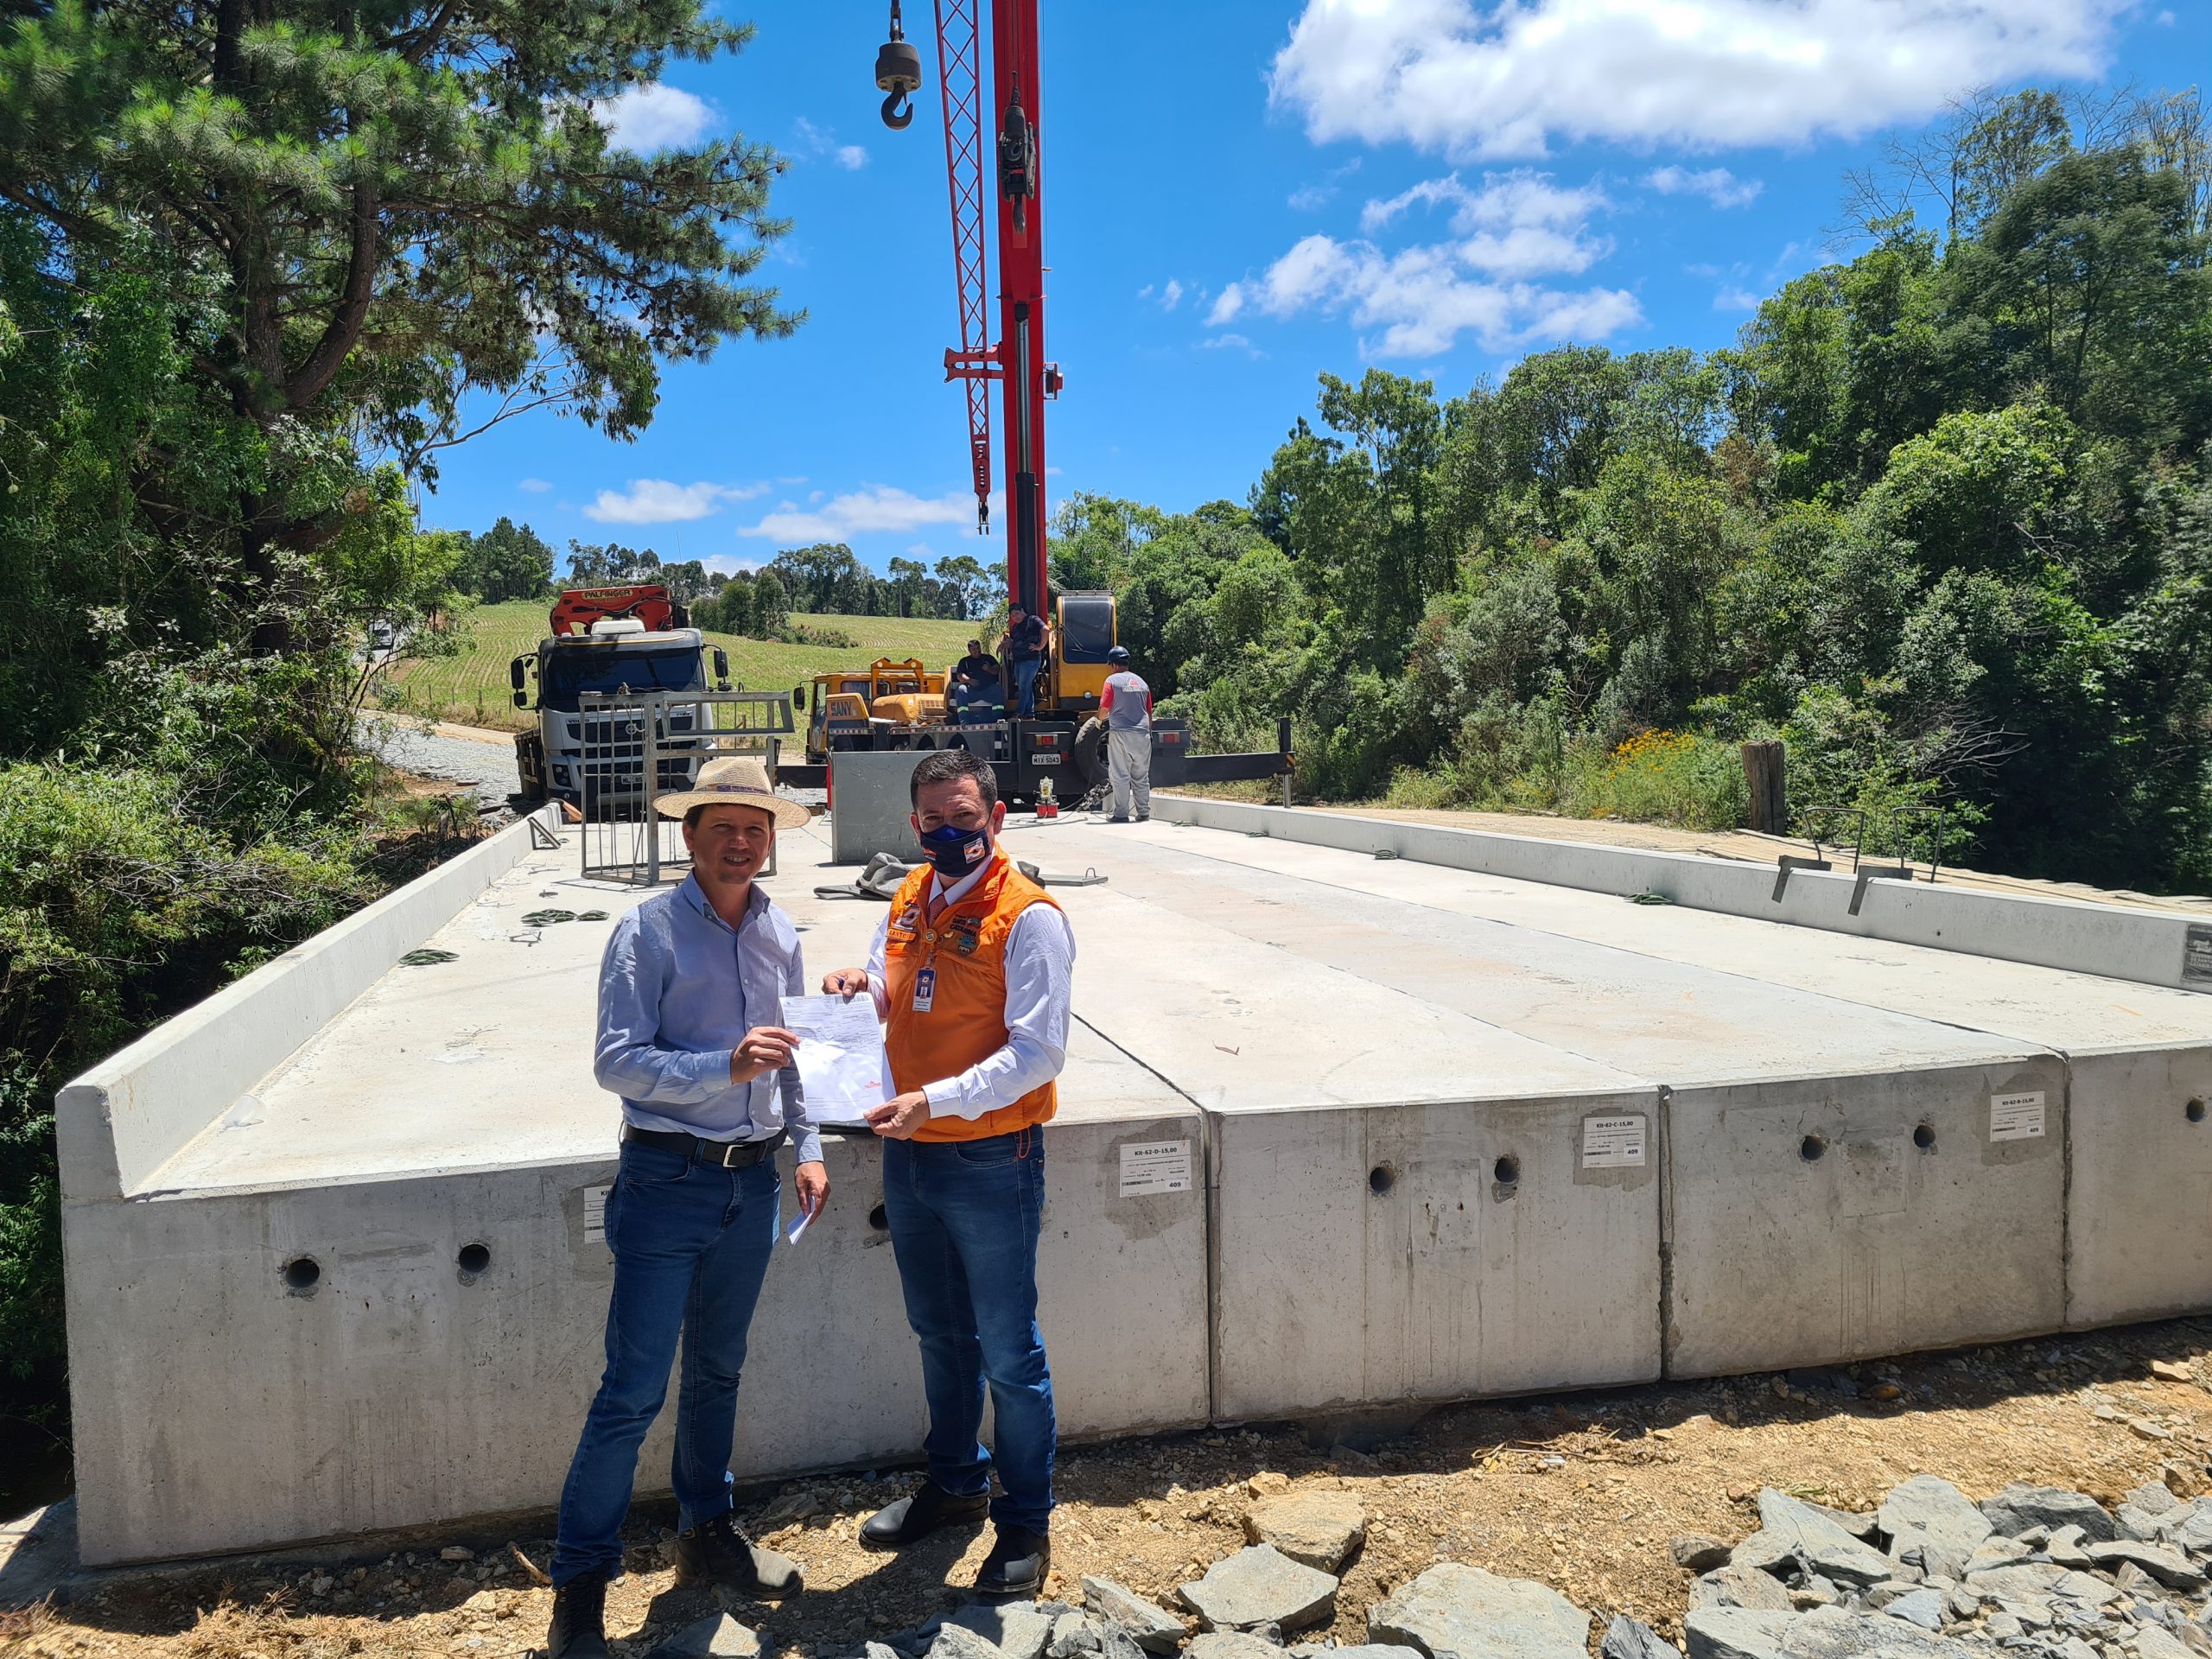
1452,1132
873,793
2139,1058
2154,947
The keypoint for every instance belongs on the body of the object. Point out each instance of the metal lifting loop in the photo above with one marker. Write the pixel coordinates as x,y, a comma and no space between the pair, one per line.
898,75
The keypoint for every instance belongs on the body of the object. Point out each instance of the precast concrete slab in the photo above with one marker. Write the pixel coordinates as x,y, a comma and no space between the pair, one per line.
371,1295
1817,1220
333,1264
1369,1255
2130,942
1737,1055
2139,1056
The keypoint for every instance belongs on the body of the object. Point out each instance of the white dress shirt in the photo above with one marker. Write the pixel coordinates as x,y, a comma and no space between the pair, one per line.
1039,965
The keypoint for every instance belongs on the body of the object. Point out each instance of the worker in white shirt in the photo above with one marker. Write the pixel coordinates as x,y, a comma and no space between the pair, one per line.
1127,704
970,972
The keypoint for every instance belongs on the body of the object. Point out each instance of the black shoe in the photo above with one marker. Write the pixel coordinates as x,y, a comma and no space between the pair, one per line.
579,1627
1017,1564
912,1519
718,1552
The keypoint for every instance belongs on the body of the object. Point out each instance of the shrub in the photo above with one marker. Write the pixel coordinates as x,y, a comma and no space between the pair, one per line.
1659,776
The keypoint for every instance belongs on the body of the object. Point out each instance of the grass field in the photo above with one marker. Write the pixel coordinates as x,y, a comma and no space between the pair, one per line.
473,687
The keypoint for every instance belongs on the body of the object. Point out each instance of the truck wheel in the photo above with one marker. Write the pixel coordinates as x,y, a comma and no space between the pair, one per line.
1089,758
529,766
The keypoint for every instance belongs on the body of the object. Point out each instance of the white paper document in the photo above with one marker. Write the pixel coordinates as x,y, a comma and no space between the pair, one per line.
840,1056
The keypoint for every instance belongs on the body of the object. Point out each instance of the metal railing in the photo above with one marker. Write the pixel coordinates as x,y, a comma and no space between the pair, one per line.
638,748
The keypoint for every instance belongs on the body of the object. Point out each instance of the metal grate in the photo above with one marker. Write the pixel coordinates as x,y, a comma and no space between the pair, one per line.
640,747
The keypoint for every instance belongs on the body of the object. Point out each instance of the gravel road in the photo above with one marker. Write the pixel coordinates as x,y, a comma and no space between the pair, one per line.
486,764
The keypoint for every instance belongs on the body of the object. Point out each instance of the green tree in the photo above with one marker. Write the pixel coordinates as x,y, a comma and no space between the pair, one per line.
381,218
506,562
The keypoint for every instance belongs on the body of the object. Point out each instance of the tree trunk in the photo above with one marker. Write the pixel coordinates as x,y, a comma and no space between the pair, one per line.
1763,771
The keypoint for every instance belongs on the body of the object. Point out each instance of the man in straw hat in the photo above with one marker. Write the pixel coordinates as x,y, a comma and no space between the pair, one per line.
689,995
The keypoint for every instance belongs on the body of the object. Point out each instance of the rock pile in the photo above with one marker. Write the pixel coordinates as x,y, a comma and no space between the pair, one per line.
2032,1573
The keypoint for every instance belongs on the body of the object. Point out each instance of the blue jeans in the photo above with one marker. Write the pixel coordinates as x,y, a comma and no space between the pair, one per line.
691,1244
1025,687
964,1216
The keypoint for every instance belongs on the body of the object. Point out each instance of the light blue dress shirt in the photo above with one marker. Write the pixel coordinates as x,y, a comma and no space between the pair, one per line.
678,988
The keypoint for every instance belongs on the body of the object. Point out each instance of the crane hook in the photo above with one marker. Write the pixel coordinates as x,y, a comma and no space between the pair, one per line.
898,75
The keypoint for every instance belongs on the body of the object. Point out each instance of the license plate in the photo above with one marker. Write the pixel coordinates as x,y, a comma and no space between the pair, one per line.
1044,759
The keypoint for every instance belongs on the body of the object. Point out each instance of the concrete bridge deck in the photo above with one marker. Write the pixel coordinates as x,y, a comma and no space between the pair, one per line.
1451,1132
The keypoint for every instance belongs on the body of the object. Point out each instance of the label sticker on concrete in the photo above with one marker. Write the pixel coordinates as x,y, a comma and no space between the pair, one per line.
595,1214
2197,955
1613,1143
1156,1166
2016,1117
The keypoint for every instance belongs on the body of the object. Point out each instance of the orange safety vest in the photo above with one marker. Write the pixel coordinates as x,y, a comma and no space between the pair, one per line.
966,1021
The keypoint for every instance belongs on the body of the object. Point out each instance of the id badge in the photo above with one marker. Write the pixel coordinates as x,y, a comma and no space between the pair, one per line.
925,990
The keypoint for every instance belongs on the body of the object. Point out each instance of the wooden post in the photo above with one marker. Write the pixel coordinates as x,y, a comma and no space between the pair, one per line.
1763,771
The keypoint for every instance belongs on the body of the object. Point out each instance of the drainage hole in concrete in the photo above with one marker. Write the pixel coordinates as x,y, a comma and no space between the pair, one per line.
1506,1170
1924,1137
880,1218
2194,1111
1380,1179
474,1258
302,1272
1811,1147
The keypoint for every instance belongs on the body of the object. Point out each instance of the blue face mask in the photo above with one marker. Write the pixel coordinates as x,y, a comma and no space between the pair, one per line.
954,852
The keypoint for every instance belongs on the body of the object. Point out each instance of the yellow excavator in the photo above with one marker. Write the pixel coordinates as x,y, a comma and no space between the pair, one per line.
904,705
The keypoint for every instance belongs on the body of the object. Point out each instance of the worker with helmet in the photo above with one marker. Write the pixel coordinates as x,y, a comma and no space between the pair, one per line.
1126,704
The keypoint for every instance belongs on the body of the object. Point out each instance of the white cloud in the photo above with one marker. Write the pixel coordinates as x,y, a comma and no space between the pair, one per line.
729,564
1172,296
1735,299
1506,79
1518,225
1515,228
657,501
535,486
1716,184
875,510
1231,343
1423,300
819,144
1226,305
655,117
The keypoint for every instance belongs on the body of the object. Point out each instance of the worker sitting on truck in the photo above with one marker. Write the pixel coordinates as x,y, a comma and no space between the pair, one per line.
975,684
1126,702
1025,654
690,1038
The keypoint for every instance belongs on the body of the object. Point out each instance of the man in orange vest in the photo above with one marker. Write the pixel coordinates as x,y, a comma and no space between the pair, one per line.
970,973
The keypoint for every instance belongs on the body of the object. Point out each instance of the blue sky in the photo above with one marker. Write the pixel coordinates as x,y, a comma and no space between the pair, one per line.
1240,196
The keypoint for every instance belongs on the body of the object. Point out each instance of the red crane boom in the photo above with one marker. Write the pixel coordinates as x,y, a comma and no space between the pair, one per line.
1017,358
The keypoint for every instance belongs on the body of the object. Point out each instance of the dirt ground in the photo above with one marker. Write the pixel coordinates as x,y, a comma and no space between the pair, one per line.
1580,1491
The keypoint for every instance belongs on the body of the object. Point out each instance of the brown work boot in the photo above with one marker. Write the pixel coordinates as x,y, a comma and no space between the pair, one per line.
719,1552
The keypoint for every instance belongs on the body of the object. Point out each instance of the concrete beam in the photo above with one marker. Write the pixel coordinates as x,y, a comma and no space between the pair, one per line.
121,1121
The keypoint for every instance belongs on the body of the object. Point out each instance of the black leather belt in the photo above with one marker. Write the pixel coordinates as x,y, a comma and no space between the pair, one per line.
724,1154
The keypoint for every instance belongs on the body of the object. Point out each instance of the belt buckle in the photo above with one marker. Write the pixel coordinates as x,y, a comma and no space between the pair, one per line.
730,1149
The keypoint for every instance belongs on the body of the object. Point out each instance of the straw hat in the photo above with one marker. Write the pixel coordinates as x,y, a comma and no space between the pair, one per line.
734,780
